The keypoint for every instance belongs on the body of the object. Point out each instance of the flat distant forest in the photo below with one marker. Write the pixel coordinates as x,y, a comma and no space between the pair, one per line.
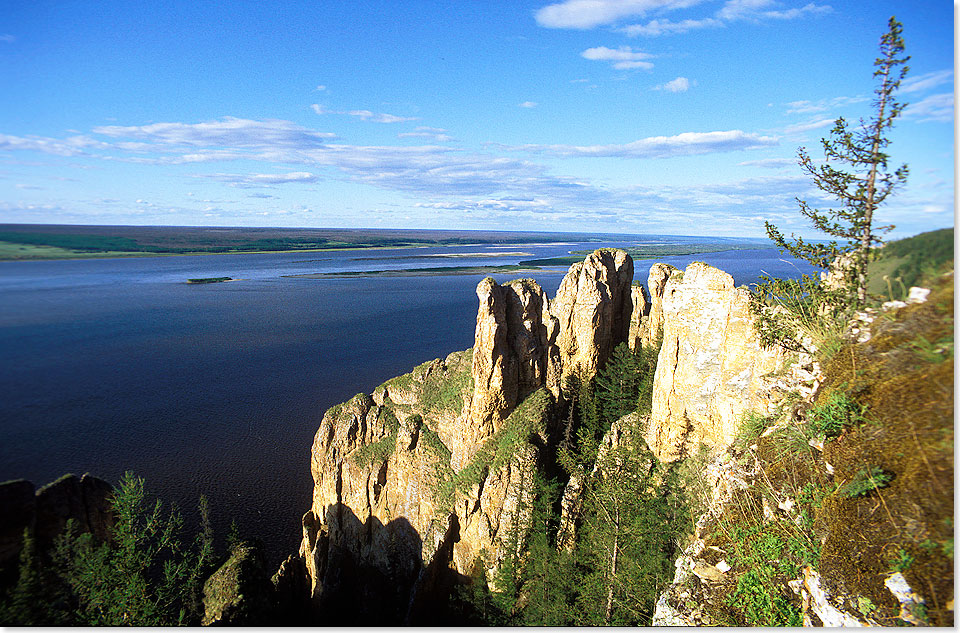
45,241
52,241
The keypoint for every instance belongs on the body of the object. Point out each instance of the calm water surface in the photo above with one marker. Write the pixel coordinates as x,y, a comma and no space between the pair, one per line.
117,364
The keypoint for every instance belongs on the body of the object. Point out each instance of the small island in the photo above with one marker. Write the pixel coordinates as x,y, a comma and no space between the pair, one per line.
209,280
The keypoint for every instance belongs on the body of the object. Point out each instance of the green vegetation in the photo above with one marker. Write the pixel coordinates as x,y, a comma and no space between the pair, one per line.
866,481
787,309
650,251
64,241
903,263
835,413
143,575
209,280
424,271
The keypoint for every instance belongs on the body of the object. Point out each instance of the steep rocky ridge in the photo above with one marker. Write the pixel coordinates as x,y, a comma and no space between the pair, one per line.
45,511
425,480
711,366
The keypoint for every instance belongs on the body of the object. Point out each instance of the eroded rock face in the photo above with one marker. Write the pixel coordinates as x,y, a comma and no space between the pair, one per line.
593,308
415,486
711,366
515,352
46,511
647,317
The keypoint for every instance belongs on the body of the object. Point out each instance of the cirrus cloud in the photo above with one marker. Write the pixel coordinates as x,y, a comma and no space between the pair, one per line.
684,144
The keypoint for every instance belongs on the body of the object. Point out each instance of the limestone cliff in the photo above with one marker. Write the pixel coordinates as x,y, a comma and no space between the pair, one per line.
711,366
424,481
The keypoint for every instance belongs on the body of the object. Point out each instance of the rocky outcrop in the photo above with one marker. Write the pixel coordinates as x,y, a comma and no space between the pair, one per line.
711,366
515,353
85,500
240,593
428,478
646,320
593,307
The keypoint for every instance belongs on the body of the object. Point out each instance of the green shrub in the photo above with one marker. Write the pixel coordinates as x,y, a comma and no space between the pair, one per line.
838,412
866,481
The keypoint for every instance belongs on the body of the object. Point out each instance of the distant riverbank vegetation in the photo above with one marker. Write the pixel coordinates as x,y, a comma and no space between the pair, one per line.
39,241
52,241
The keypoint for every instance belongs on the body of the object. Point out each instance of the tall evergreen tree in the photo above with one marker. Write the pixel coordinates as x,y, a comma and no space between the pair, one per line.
862,181
632,516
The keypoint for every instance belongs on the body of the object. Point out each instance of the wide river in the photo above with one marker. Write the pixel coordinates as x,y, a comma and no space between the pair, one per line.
112,365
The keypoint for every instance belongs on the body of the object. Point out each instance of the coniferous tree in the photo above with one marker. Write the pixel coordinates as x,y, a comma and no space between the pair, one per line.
864,185
856,173
143,576
632,516
548,578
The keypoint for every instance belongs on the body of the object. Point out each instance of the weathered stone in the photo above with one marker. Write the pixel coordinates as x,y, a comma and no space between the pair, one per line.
240,593
388,533
19,503
711,366
593,309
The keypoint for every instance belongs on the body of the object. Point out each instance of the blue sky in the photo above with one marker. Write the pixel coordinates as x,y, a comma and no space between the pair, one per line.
639,116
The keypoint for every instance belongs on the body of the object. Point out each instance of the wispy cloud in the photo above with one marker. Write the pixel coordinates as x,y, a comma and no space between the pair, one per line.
655,28
680,84
938,108
806,126
823,105
226,132
734,10
588,14
685,144
366,115
769,163
7,38
528,104
435,134
926,81
261,180
622,58
71,146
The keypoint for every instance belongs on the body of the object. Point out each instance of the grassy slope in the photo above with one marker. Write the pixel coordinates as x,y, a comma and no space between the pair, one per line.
896,420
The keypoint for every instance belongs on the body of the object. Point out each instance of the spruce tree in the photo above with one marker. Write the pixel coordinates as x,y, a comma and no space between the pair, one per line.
856,173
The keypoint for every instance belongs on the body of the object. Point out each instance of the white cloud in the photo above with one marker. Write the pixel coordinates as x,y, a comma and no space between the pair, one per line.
810,107
926,81
770,163
655,28
7,38
260,180
731,11
320,88
436,134
685,144
587,14
806,126
366,115
680,84
765,9
228,131
623,58
528,104
71,146
938,108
